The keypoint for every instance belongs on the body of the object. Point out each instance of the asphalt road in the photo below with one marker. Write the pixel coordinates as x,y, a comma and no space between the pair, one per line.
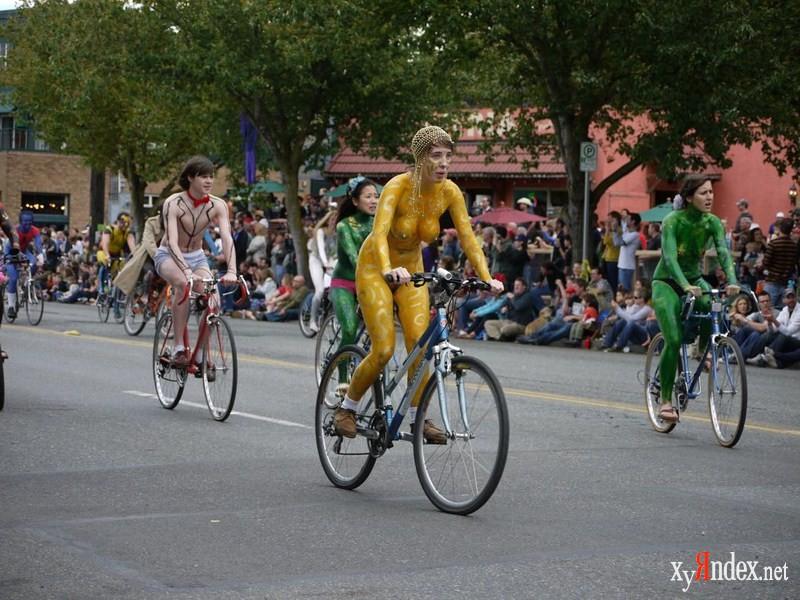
105,494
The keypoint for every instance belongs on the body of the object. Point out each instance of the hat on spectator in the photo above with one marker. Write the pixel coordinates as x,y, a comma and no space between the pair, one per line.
754,226
521,238
525,201
780,215
789,291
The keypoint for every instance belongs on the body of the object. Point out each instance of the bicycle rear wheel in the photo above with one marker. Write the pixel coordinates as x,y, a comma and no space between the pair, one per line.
727,393
135,311
347,462
169,381
220,369
460,476
304,318
652,385
326,345
34,307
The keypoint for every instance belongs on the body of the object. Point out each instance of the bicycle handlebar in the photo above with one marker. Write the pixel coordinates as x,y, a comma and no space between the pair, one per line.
451,282
210,284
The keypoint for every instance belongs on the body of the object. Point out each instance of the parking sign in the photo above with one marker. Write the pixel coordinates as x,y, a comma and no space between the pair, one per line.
588,156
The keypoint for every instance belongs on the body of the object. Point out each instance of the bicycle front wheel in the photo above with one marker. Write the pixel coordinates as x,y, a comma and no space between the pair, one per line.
220,369
2,380
727,393
34,307
135,312
461,475
326,345
103,306
168,380
305,317
346,461
118,304
652,385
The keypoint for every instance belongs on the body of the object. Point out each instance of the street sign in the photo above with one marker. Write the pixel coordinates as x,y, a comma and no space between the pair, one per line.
588,156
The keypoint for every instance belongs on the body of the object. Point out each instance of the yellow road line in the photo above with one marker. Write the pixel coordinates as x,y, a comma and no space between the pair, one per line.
546,396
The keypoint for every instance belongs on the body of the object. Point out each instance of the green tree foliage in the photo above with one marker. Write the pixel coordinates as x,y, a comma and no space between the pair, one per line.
701,74
308,73
92,75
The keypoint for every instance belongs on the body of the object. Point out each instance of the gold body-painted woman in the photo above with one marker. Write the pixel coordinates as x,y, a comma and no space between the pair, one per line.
408,214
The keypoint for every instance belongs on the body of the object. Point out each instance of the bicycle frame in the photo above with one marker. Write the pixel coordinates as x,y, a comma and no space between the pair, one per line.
435,346
208,299
692,380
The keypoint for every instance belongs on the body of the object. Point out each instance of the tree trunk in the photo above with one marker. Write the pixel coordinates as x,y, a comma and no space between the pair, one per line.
137,187
295,221
570,134
97,203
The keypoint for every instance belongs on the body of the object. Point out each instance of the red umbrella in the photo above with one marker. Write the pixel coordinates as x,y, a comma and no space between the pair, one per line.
502,216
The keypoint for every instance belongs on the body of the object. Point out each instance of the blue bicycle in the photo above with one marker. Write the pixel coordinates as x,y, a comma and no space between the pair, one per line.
727,380
463,395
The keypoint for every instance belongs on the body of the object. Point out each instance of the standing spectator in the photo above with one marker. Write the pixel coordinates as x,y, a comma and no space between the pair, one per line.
518,308
773,228
628,241
610,250
257,248
742,204
780,262
654,237
525,204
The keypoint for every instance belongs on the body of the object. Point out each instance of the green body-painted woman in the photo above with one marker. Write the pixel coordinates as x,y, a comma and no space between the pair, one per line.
684,238
353,225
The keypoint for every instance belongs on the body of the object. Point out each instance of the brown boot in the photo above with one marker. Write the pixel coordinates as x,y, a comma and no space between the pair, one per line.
344,422
431,433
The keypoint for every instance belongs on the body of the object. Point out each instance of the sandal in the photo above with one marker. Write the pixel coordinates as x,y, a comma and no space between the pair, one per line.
668,414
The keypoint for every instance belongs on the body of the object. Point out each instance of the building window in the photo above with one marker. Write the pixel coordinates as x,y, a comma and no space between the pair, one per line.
4,54
150,200
47,209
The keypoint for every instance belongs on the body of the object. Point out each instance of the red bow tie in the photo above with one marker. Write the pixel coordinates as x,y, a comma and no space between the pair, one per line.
198,201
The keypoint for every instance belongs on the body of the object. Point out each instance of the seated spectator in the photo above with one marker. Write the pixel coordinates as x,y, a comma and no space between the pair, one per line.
600,289
572,309
283,293
518,308
758,329
630,324
738,313
787,338
544,287
478,317
288,308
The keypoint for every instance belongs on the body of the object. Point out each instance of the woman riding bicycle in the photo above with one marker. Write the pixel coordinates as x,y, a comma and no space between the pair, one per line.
684,237
408,214
354,220
321,246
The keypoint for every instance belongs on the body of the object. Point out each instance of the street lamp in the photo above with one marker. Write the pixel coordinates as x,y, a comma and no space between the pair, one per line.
793,194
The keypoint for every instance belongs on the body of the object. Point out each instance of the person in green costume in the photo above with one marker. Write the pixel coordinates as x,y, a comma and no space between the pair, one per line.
353,224
684,237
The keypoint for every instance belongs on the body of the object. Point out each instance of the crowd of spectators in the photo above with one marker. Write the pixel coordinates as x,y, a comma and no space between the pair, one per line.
603,302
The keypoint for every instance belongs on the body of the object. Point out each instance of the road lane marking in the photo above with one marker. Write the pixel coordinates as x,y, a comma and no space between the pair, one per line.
235,412
545,396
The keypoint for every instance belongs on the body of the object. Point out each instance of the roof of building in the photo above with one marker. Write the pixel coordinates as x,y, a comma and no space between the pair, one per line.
468,162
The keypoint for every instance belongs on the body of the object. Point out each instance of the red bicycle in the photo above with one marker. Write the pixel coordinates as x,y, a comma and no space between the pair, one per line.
213,358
